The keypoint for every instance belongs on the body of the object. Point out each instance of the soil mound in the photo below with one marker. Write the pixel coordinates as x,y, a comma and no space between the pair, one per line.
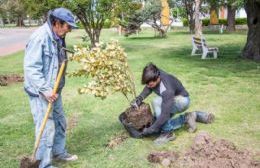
7,79
208,153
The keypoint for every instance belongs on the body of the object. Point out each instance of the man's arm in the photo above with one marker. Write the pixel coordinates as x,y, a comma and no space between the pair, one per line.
138,100
33,67
167,105
146,92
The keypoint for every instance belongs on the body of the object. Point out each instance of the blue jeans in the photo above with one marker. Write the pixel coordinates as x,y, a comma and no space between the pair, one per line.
53,139
180,105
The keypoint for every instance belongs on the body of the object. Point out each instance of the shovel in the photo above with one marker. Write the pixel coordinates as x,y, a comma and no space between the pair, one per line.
31,162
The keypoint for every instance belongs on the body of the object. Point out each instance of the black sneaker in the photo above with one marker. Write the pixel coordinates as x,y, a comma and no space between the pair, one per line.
164,138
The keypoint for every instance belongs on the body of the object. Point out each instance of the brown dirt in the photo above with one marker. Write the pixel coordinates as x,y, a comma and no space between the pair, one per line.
208,153
7,79
27,162
164,158
140,118
117,140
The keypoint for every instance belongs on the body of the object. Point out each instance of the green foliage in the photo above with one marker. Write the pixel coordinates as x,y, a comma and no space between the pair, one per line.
185,22
241,21
94,13
37,9
107,23
205,22
107,68
150,14
12,10
222,21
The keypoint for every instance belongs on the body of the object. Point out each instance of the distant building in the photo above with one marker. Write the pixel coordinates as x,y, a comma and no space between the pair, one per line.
241,13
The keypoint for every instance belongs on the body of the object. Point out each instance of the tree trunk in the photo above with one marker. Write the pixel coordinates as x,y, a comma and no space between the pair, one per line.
252,47
231,18
1,22
20,22
190,12
198,23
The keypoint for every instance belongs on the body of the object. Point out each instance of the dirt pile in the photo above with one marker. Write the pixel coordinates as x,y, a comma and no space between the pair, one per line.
205,152
208,153
7,79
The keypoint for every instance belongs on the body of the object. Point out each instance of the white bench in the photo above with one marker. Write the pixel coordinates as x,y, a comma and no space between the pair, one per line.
199,44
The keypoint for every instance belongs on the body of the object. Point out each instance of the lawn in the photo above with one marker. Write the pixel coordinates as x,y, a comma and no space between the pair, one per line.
229,87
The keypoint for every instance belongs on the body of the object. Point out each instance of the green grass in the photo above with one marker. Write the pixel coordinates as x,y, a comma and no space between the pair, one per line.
229,87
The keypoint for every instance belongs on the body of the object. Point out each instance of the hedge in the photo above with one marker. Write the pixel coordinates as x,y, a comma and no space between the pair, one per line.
205,22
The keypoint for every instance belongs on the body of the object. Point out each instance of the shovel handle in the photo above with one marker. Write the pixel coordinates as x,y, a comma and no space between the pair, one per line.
54,91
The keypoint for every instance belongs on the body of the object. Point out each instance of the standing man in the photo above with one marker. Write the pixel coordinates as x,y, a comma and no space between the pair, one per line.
172,98
44,55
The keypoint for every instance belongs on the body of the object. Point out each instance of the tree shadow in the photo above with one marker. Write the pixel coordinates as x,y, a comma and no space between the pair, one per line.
229,61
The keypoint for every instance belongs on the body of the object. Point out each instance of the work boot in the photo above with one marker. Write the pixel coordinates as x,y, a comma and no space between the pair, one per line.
190,120
164,138
204,117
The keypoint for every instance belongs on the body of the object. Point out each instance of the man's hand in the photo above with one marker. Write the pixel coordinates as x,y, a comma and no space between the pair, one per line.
50,97
147,131
136,102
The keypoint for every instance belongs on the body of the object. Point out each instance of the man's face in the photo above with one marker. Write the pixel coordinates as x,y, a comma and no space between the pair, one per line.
153,84
62,29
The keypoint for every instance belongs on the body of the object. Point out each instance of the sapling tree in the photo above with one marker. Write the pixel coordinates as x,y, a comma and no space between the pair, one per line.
106,68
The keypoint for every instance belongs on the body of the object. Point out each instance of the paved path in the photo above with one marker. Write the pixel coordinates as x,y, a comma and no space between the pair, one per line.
13,39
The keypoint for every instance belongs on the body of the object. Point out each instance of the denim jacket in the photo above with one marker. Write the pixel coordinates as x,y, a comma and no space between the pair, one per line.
41,63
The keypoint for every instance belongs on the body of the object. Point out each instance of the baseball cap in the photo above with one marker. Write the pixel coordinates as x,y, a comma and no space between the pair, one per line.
65,15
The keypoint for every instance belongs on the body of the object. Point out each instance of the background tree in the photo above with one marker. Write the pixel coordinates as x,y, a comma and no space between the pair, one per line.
190,9
13,10
38,9
150,14
93,13
2,13
232,7
252,47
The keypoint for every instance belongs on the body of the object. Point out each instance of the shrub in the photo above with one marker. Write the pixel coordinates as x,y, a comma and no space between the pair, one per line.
241,21
185,22
222,21
205,22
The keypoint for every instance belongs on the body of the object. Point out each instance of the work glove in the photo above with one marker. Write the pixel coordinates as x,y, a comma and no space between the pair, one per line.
136,102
